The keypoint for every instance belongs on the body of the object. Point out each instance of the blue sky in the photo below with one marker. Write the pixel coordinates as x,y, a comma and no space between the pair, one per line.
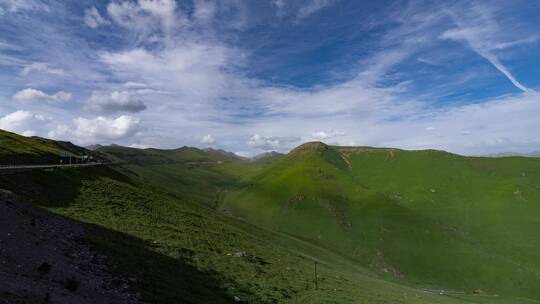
254,76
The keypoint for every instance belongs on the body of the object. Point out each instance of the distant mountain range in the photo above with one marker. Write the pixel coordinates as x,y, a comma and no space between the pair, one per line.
382,224
508,154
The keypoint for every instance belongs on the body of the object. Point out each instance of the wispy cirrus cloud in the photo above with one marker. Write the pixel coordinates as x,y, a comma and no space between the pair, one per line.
41,67
18,6
199,70
312,6
478,27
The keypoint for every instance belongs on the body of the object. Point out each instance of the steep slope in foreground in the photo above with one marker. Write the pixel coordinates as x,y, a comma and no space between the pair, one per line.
44,259
21,150
424,218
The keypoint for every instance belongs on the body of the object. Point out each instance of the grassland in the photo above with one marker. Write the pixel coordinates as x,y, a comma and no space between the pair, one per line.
423,218
181,252
21,150
193,226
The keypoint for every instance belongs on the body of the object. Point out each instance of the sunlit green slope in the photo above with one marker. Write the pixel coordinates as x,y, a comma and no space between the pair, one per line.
384,225
425,218
21,150
174,251
192,174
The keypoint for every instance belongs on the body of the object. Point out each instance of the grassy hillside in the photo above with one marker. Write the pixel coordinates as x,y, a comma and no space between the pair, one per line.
150,156
21,150
191,174
425,218
383,225
179,252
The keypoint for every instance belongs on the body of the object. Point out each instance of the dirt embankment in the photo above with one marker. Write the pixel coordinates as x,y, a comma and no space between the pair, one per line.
45,260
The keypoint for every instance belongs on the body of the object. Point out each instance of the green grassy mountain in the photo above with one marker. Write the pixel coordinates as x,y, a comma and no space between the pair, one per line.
150,156
383,225
195,175
21,150
425,218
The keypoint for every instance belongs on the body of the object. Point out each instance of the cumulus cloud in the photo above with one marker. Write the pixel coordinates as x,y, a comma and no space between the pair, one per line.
93,18
116,101
33,95
41,67
211,88
322,135
208,139
99,129
107,128
23,122
268,143
139,146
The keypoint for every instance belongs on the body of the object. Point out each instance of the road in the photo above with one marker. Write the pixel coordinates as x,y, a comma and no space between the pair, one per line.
27,167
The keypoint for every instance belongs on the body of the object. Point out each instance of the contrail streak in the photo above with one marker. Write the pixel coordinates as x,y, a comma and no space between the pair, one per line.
499,66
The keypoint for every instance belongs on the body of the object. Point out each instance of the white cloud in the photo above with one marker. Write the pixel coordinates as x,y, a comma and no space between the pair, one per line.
99,129
138,146
41,67
29,133
17,6
205,10
280,4
145,16
116,101
208,139
107,128
280,7
311,7
61,131
473,37
478,27
498,125
322,135
93,18
164,9
9,46
33,95
267,143
194,75
23,122
134,85
203,85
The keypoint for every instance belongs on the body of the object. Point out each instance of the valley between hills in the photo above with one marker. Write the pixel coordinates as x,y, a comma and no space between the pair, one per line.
321,224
